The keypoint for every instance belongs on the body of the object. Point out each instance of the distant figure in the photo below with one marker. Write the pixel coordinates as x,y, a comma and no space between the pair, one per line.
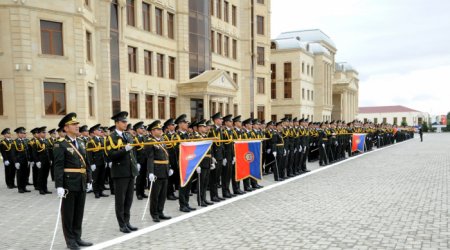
421,134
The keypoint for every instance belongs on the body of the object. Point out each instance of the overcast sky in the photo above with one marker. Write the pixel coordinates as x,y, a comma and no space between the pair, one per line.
401,48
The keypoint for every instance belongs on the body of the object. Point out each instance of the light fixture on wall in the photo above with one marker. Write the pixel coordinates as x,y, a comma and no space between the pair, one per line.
28,67
17,67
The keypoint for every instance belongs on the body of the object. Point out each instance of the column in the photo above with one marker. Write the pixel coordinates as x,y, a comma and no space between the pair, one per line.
206,106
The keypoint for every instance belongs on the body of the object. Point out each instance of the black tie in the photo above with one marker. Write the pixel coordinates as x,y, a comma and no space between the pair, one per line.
74,142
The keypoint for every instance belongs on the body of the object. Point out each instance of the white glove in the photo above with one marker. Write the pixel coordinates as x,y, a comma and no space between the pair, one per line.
109,165
89,187
336,143
17,165
170,172
284,152
31,164
38,164
300,149
139,167
234,160
224,161
213,166
295,150
323,144
350,141
93,167
268,151
51,162
214,160
60,191
6,163
151,177
128,147
274,153
199,170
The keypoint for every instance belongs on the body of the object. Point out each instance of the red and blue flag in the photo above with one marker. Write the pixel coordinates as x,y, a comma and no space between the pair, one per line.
248,159
191,154
358,142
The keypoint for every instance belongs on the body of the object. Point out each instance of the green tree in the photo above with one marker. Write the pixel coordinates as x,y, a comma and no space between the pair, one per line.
404,123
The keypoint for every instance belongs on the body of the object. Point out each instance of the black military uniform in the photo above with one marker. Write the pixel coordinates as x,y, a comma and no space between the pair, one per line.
42,160
123,171
228,149
217,156
51,142
20,159
96,156
237,134
141,179
31,148
157,165
72,174
205,167
184,191
6,149
174,180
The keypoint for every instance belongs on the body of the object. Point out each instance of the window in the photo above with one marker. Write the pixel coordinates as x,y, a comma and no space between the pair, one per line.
375,120
134,105
86,3
213,107
160,65
225,11
288,116
219,9
213,41
221,107
260,113
403,121
55,98
303,67
312,95
260,25
130,13
1,98
384,120
307,95
226,46
161,107
148,62
219,44
307,69
235,109
91,101
287,80
132,67
88,46
170,25
211,7
273,118
233,15
260,1
173,107
273,81
260,57
394,121
260,82
234,49
159,21
171,68
312,71
303,93
149,107
146,17
51,38
235,78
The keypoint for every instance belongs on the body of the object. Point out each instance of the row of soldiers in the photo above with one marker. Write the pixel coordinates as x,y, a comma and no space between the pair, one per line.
287,145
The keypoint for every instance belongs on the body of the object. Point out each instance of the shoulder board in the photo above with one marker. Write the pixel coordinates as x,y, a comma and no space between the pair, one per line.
60,139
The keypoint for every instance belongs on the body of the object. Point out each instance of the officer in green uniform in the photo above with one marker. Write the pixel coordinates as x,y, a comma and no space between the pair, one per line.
71,176
96,157
123,170
6,149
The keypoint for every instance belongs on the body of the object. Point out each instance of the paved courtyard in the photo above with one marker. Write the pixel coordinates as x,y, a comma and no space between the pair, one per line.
395,198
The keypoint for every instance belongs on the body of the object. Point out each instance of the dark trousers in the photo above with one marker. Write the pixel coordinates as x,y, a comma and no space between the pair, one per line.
173,181
213,180
110,180
10,174
226,177
158,197
72,210
124,188
235,184
204,181
43,175
22,177
323,158
35,177
183,197
276,166
98,178
52,172
141,181
305,156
